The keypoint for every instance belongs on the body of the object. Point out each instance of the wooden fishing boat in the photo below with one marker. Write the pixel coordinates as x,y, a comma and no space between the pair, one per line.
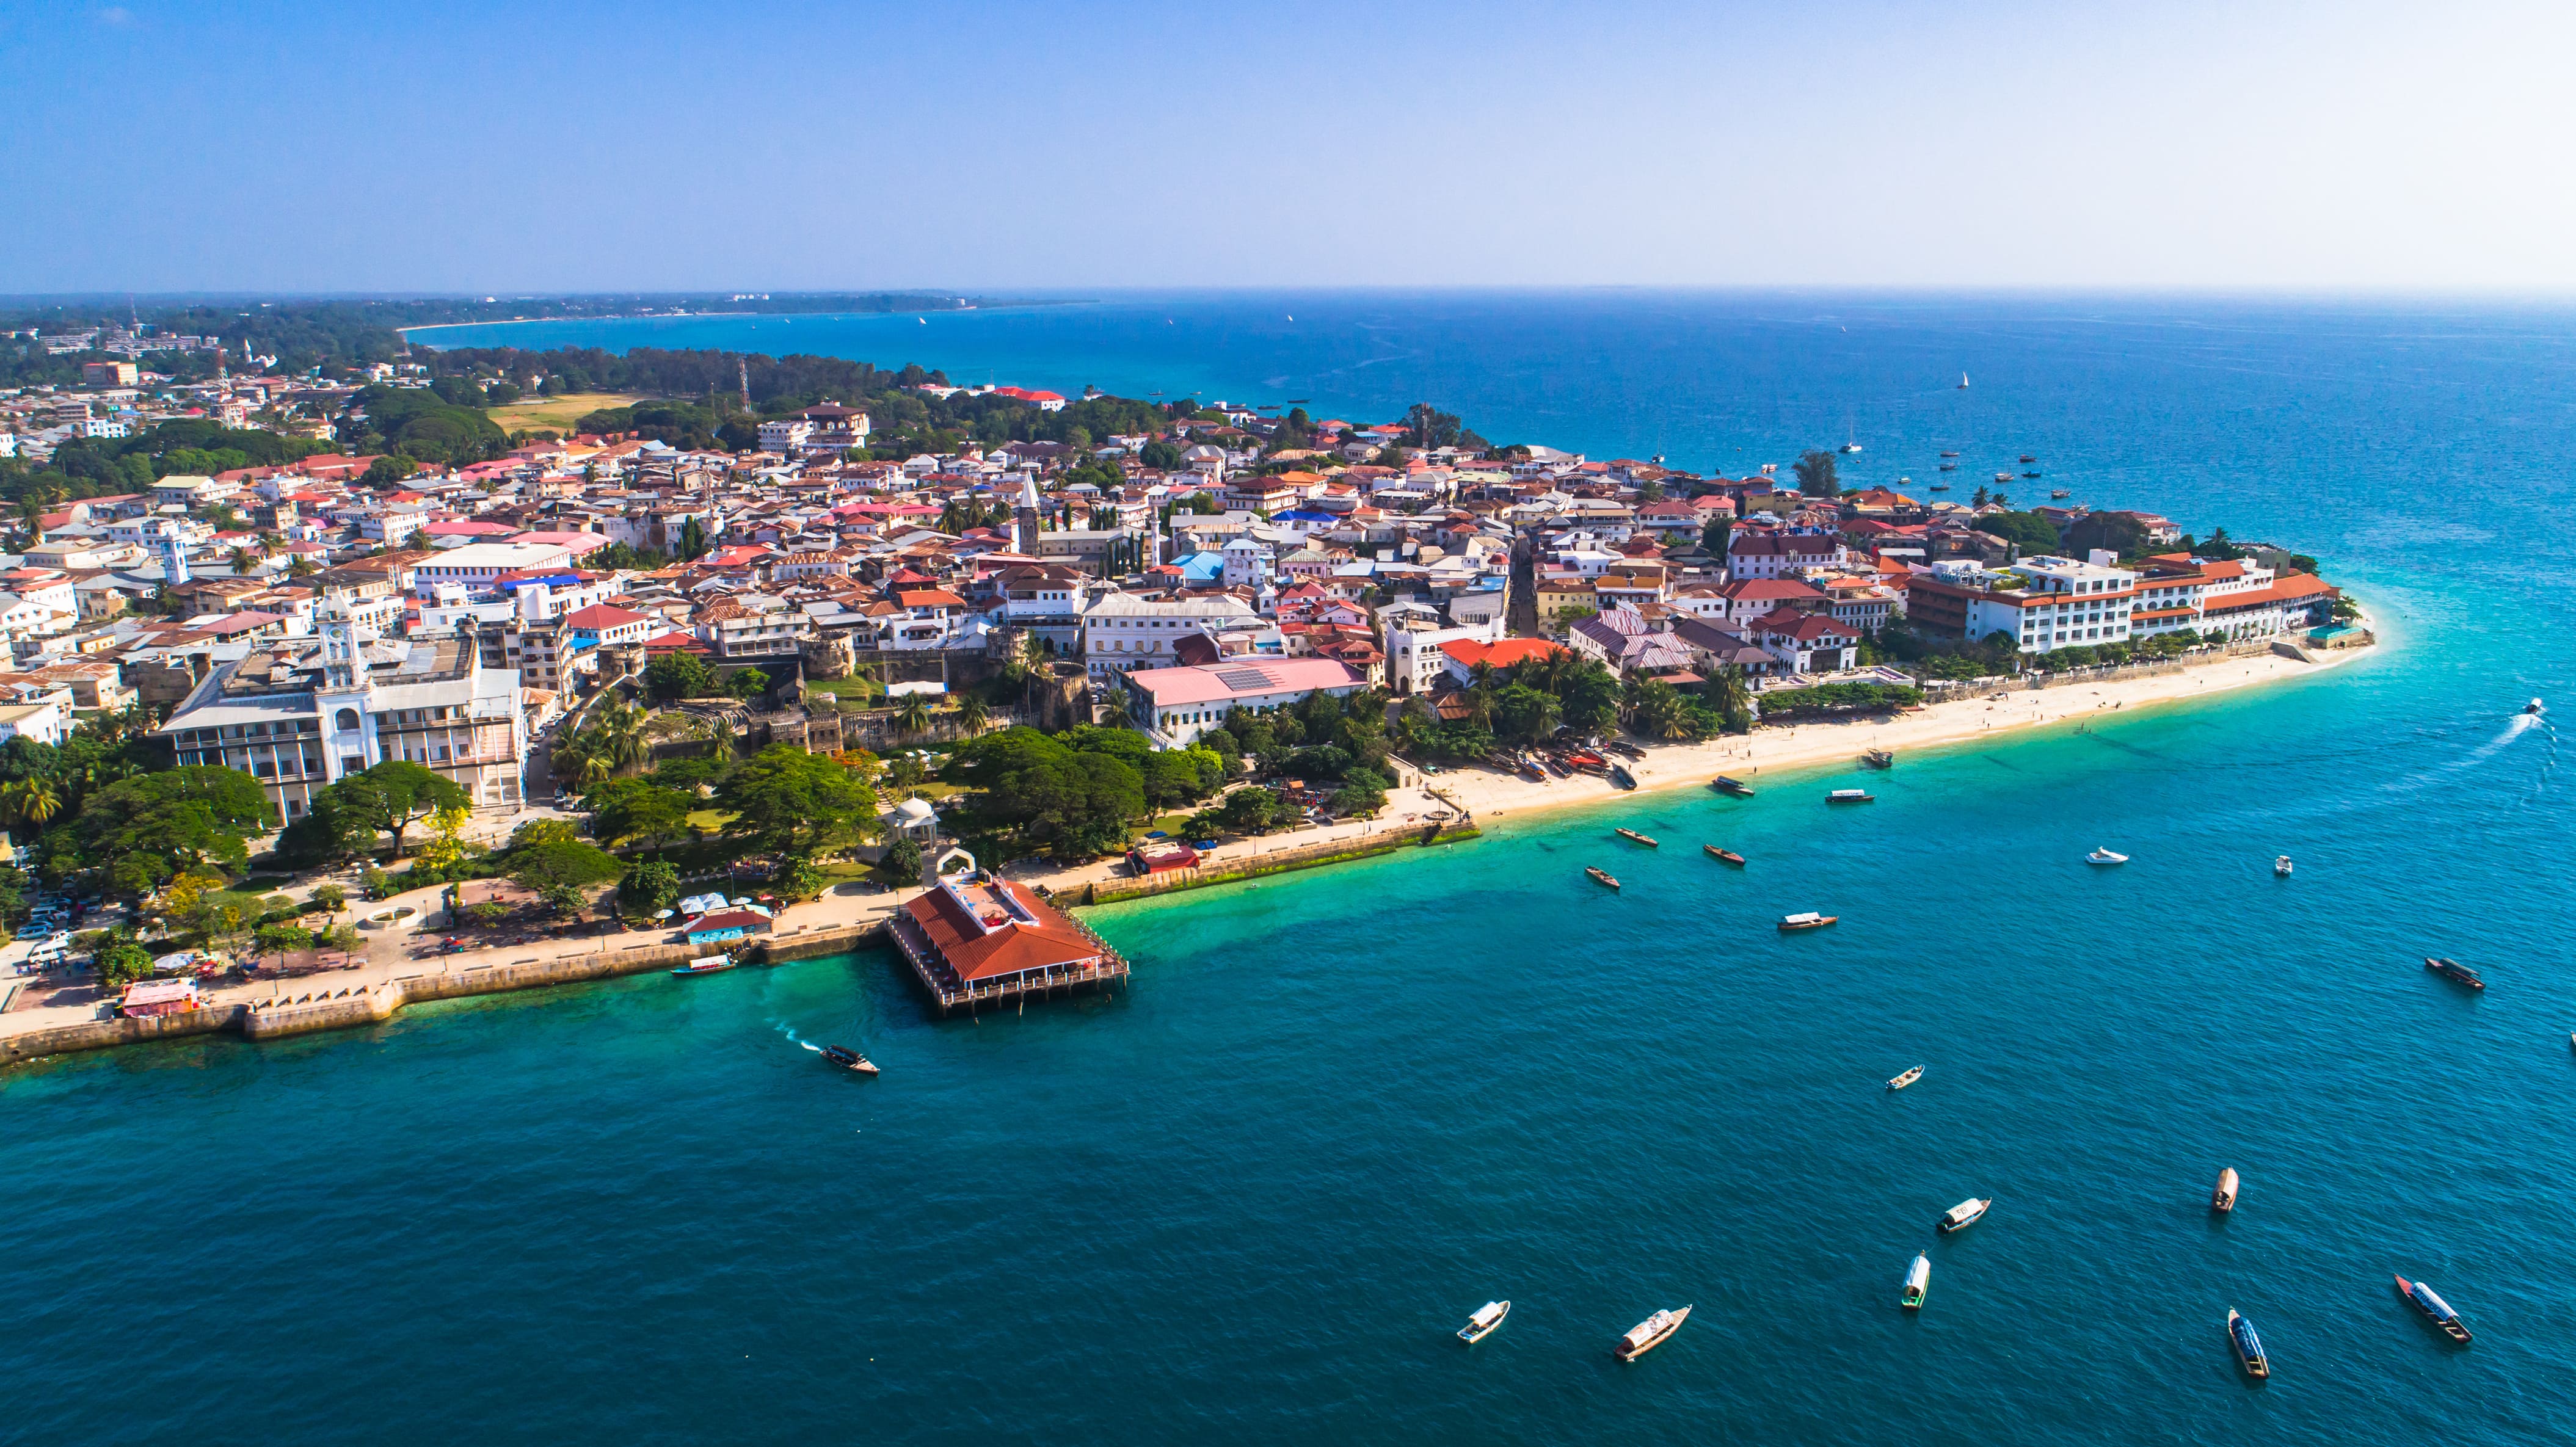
848,1059
1963,1215
1649,1334
1633,837
1482,1324
2435,1309
1599,876
2222,1197
2452,970
2248,1348
1918,1280
1791,924
1728,856
1879,759
1725,785
1906,1079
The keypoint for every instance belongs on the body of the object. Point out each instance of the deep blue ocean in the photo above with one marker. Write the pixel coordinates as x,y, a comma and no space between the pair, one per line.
1251,1198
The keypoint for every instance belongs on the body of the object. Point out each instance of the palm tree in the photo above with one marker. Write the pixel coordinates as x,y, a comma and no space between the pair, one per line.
722,740
1729,693
300,566
620,731
913,715
972,715
33,801
241,560
1632,693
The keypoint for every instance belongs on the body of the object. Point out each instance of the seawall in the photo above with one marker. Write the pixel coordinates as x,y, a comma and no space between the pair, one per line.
1304,856
352,1006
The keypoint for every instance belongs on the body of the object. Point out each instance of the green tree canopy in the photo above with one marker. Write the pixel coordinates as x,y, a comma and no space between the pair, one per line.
560,874
624,809
137,832
2027,531
648,888
1816,473
679,675
787,801
392,796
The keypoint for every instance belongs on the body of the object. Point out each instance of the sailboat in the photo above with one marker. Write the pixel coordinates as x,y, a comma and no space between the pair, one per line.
1963,381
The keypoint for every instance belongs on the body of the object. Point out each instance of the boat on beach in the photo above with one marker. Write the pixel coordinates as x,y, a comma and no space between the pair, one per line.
1791,924
1918,1280
2452,970
1649,1334
2248,1347
1620,776
1633,837
2281,866
1851,796
2435,1309
2105,856
1906,1079
1879,759
848,1059
1530,770
2222,1197
1727,856
1481,1325
1725,785
1963,1215
711,965
1599,876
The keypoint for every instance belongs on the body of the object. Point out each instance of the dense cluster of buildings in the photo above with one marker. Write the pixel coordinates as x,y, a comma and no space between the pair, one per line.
300,623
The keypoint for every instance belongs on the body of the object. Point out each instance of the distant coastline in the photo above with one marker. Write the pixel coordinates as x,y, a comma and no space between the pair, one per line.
980,305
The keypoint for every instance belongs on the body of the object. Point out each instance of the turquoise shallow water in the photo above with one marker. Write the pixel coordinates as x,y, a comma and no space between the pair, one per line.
1251,1198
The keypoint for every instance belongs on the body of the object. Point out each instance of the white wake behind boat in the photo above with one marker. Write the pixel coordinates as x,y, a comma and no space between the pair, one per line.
1649,1334
2105,856
1482,1324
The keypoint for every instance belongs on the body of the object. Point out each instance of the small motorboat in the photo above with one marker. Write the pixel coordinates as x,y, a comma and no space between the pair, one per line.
2452,970
2434,1308
1737,788
2027,457
1949,454
1918,1280
2222,1197
1791,924
1633,837
1599,876
848,1059
1908,1078
2281,865
1879,759
1941,486
711,965
2105,856
1649,1334
1727,856
1482,1324
1963,1215
2533,707
2003,477
1851,796
2248,1347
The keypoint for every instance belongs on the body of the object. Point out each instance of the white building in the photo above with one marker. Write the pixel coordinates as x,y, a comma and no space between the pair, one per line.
475,565
1414,657
1123,631
47,722
1173,706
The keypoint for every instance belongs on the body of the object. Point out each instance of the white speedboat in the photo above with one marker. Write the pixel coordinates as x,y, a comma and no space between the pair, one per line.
2281,865
1482,1324
2105,856
1918,1280
1649,1334
1908,1078
1965,1214
2533,707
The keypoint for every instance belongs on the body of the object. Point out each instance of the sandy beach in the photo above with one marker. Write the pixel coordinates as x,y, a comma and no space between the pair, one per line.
1497,799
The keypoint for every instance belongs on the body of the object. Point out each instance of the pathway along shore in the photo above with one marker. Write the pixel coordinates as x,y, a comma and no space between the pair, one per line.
848,918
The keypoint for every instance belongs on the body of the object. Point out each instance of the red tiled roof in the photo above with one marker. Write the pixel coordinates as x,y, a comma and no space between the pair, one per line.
1010,946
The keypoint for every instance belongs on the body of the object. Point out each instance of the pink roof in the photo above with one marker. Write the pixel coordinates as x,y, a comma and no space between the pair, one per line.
1241,678
603,616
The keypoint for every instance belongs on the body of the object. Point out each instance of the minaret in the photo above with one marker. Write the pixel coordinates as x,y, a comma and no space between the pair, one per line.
1024,520
174,558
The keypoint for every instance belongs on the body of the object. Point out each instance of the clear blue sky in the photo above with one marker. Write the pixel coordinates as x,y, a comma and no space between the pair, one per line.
466,147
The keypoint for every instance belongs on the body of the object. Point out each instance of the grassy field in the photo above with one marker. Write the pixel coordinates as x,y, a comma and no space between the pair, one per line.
556,414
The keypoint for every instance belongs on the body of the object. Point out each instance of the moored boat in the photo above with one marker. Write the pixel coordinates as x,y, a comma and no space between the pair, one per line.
1727,855
848,1059
2248,1347
1482,1324
1918,1280
1879,759
1963,1215
1791,924
711,965
2027,457
1633,837
2281,865
2105,856
1851,796
1725,785
1599,876
1649,1334
2452,970
2438,1311
1906,1079
1951,454
2003,477
2222,1197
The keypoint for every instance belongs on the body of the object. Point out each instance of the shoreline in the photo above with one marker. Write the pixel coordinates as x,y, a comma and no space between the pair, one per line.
1493,798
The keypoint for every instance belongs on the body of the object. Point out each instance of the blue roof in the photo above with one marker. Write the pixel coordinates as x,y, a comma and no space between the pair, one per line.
1206,567
1305,515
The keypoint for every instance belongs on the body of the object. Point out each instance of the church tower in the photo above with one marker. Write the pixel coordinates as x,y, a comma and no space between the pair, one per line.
1024,519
